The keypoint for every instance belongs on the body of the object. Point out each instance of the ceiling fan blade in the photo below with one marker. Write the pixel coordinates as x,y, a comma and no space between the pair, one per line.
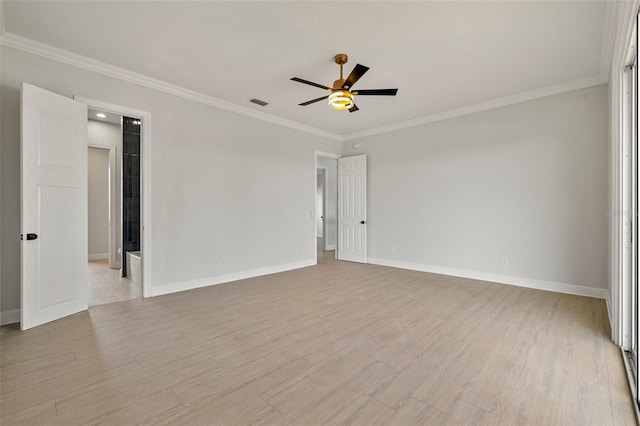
376,92
354,108
358,71
310,83
312,101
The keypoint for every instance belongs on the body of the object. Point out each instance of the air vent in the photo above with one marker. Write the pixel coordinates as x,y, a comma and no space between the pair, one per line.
259,102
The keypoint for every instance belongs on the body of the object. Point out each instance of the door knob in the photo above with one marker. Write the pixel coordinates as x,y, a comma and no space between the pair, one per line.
362,222
30,236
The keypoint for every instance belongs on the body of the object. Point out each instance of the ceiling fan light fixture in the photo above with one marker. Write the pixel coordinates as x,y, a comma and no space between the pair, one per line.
341,100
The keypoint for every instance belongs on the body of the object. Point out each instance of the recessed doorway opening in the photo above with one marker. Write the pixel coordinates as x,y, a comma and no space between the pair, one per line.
326,206
115,206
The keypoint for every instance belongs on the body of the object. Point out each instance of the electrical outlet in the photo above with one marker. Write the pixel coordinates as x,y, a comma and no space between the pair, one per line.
505,261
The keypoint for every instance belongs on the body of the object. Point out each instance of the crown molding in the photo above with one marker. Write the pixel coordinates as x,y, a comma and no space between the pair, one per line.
60,55
483,106
612,28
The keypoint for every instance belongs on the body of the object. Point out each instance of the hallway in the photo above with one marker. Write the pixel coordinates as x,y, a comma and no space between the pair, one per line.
106,286
325,256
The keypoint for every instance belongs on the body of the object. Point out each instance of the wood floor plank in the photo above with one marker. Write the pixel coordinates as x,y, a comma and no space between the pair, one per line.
336,343
331,400
77,376
416,413
37,414
467,414
366,412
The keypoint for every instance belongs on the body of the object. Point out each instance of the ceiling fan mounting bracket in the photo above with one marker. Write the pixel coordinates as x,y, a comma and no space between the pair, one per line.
341,58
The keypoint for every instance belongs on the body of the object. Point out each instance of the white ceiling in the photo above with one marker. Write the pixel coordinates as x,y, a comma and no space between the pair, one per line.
440,55
110,116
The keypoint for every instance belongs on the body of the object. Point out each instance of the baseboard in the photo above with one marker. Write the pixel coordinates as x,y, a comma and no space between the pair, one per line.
220,279
99,256
557,287
10,317
330,247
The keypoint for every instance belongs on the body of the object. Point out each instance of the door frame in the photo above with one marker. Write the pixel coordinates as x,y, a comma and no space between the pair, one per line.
112,201
324,203
145,171
317,154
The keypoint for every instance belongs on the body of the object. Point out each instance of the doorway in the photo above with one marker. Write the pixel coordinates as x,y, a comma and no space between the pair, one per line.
110,203
128,276
321,188
326,206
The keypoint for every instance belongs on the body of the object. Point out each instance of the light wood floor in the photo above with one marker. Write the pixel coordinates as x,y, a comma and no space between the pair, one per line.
337,343
106,285
324,256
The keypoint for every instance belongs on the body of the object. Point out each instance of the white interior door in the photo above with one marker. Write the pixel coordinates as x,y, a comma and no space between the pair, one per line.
352,208
54,271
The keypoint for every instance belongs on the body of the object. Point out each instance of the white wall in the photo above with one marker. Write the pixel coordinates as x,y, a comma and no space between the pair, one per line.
331,210
527,182
98,200
108,134
223,185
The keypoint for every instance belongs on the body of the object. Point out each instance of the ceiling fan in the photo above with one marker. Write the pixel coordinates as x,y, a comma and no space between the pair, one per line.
340,95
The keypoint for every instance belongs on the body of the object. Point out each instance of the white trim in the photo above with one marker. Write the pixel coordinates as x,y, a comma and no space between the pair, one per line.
30,46
220,279
557,287
483,106
99,256
145,246
10,317
145,140
330,247
327,154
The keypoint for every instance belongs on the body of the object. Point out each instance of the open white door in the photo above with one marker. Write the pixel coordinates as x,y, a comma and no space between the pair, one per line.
54,271
352,208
